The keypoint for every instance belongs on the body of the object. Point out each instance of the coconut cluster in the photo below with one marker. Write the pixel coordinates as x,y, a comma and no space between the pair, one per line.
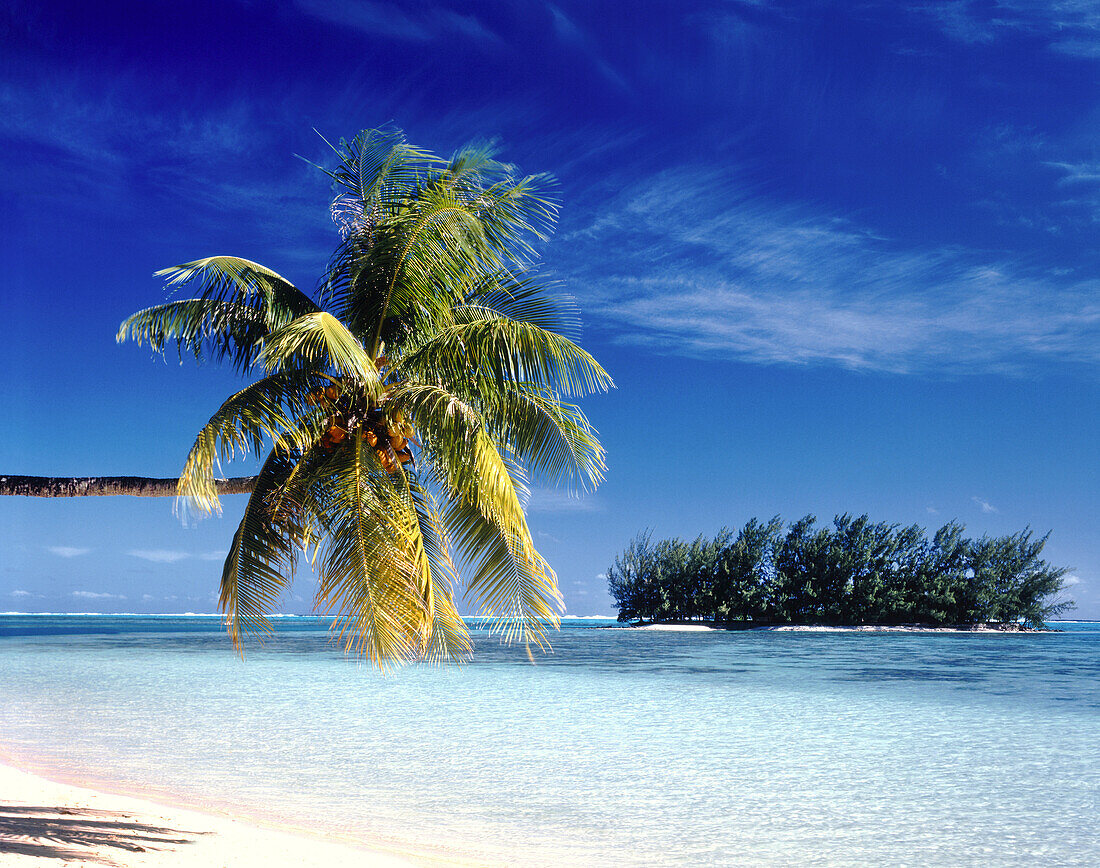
387,431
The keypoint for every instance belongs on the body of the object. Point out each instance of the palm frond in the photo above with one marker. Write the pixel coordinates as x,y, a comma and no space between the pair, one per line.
368,574
427,252
465,458
378,172
484,513
232,278
552,438
511,582
239,302
474,166
513,212
506,351
202,326
270,409
522,297
319,340
449,639
262,556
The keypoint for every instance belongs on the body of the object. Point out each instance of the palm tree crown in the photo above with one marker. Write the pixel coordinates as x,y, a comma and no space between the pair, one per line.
403,410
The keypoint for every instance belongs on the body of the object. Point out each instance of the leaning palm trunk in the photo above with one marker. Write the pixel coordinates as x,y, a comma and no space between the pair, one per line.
403,409
103,486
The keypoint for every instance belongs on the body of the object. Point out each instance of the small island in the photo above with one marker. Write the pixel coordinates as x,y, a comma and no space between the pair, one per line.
854,573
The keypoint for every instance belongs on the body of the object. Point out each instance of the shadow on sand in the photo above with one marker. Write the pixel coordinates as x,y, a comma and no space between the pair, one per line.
80,833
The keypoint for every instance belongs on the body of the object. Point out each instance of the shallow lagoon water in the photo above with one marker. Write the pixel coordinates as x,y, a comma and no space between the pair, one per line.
622,747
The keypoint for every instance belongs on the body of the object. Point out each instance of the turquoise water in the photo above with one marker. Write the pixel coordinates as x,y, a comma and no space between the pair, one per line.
623,747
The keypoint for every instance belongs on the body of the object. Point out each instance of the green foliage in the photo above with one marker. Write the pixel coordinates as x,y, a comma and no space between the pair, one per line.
855,572
401,410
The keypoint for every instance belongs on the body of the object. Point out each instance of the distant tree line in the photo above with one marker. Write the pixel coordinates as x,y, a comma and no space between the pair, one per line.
854,572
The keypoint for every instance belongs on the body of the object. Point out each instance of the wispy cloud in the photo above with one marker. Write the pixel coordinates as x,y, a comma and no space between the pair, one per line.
1068,26
1070,581
68,551
392,21
213,556
685,264
548,500
95,595
931,510
159,556
1034,180
21,593
985,505
571,34
1077,173
111,148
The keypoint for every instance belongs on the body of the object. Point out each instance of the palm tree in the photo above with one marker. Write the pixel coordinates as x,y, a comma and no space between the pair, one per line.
403,410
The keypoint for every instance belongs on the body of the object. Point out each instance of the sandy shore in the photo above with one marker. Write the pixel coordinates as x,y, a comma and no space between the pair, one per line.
44,823
811,628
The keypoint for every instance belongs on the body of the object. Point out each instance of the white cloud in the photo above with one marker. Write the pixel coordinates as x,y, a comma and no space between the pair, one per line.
213,556
569,33
1076,173
1070,581
92,122
931,510
548,500
21,593
985,505
147,597
389,21
703,270
94,595
1069,26
159,556
68,551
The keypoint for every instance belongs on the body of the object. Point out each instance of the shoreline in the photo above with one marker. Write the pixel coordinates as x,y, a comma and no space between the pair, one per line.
51,819
698,627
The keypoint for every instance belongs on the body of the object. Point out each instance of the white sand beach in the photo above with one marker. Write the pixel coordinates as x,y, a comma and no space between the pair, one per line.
45,823
818,628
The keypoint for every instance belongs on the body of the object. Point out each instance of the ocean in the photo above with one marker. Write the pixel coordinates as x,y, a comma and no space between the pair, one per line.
622,747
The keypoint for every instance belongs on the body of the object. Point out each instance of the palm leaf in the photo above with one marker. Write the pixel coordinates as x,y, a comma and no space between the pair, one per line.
483,513
511,582
262,556
522,297
506,351
552,438
219,329
231,278
449,639
319,340
239,302
269,409
378,172
368,574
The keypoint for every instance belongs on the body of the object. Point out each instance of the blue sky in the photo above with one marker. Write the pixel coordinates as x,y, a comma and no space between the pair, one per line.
838,257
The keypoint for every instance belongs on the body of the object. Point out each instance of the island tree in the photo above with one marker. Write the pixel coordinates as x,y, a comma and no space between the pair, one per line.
854,572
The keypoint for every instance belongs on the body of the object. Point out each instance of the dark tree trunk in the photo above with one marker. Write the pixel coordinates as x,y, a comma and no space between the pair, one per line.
101,486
